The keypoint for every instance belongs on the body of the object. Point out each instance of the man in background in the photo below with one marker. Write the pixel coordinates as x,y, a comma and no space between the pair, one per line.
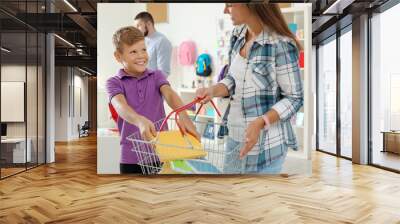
158,46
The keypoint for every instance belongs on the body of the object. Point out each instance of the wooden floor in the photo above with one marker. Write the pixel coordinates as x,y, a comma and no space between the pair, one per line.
387,159
70,191
5,172
10,171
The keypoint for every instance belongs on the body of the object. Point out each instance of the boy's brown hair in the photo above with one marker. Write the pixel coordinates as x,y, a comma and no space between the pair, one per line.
128,35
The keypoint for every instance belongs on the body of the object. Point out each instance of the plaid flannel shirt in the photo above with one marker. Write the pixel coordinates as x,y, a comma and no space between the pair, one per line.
274,60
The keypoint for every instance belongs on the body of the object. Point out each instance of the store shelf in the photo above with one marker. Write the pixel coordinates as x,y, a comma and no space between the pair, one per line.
210,144
296,9
301,15
187,90
201,116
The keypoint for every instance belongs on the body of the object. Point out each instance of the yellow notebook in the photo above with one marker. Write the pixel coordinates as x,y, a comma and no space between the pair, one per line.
171,145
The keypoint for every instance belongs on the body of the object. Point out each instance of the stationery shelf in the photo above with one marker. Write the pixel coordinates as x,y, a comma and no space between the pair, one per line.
207,114
297,17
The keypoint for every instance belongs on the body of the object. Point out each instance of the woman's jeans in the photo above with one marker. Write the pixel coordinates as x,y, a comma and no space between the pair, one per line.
249,164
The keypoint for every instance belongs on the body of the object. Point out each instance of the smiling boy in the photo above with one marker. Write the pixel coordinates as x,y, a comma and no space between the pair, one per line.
137,95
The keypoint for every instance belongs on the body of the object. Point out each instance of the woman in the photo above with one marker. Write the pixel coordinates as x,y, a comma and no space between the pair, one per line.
265,87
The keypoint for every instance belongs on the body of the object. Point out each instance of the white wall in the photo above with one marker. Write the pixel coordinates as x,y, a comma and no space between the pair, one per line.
61,103
79,117
83,83
66,120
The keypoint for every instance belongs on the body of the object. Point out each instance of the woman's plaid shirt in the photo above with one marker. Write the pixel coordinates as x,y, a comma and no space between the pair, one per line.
274,60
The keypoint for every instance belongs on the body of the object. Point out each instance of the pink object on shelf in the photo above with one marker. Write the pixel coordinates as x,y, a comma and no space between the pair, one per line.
187,53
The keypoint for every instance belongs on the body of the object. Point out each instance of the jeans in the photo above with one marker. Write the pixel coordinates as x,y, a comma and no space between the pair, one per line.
250,163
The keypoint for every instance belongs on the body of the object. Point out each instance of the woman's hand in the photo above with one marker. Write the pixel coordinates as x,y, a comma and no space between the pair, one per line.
251,136
146,128
187,126
206,94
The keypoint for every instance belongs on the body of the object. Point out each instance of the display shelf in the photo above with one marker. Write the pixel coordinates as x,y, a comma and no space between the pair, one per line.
300,15
201,116
187,90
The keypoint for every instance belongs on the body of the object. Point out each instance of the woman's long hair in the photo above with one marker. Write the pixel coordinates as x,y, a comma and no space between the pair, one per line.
271,16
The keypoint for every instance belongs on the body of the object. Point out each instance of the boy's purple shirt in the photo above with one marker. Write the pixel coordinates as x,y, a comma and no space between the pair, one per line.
144,96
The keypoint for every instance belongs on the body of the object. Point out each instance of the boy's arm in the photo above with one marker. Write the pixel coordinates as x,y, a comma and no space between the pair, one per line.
127,113
124,110
172,98
174,101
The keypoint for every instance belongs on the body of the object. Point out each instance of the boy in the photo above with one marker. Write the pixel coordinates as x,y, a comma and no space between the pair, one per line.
137,95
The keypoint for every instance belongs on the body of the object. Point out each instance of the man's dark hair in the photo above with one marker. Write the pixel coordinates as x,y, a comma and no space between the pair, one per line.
145,16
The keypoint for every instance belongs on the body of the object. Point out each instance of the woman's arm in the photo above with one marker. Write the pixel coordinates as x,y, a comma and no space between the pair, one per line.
217,90
290,84
220,90
270,117
289,81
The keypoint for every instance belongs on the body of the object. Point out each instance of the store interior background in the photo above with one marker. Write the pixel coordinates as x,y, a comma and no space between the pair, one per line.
205,31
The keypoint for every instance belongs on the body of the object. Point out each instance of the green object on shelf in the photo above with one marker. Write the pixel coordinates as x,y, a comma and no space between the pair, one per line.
193,166
181,166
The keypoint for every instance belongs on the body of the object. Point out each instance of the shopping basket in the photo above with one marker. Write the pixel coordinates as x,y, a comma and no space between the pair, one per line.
174,152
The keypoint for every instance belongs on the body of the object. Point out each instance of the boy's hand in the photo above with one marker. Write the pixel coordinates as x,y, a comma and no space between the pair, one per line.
147,129
205,93
188,126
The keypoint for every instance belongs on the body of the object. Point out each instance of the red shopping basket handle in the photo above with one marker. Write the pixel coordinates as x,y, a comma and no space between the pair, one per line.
185,107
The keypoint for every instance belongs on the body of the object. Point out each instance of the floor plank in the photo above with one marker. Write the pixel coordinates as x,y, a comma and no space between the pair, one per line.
70,191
